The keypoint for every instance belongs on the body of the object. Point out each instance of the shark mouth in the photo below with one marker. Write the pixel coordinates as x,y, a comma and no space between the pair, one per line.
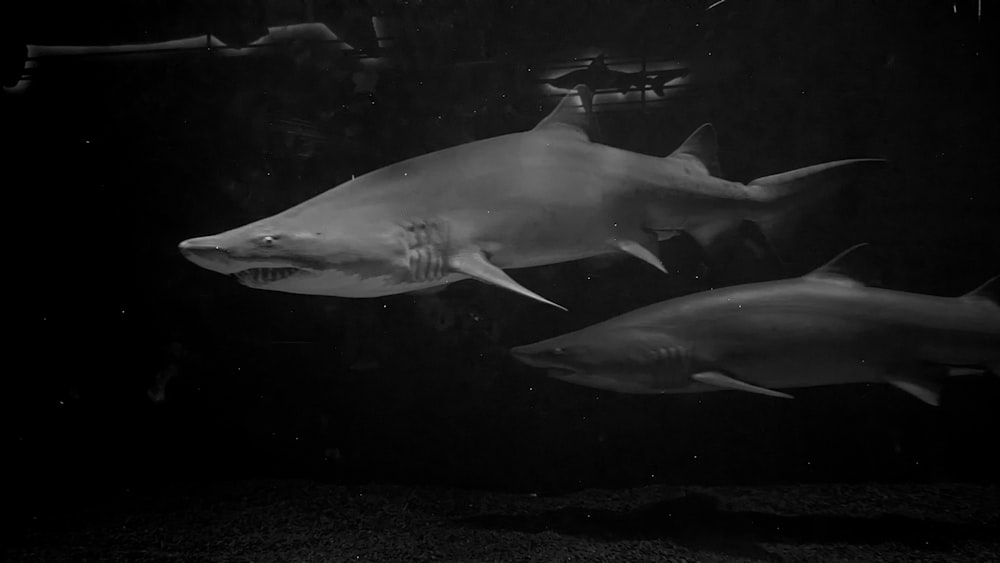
262,276
560,371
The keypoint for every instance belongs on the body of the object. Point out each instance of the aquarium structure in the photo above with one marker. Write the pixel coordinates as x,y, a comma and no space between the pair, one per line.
403,280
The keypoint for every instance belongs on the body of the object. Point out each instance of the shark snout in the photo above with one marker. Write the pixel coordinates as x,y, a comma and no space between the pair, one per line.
197,247
521,355
206,252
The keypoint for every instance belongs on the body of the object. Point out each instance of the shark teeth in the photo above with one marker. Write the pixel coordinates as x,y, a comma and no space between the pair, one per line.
258,276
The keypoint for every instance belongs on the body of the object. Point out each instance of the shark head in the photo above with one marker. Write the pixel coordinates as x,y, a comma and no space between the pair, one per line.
623,359
282,254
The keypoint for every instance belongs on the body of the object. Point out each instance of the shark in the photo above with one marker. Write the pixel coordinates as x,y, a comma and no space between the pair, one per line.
599,76
544,196
828,327
596,75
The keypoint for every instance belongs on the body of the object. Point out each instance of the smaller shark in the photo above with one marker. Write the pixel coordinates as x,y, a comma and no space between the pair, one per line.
598,76
825,328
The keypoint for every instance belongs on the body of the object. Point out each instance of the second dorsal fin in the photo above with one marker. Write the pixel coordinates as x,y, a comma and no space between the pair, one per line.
850,265
989,291
701,150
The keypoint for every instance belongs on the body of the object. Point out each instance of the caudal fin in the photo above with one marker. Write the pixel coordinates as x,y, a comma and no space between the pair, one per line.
789,194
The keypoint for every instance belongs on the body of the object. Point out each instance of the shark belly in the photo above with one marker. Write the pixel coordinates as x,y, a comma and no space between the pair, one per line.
956,347
792,370
348,285
821,345
776,348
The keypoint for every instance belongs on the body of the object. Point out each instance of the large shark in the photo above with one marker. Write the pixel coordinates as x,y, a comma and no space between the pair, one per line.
540,197
824,328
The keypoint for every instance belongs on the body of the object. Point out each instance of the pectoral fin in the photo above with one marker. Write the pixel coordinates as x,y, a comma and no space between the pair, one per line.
667,234
644,253
924,388
756,241
476,265
719,379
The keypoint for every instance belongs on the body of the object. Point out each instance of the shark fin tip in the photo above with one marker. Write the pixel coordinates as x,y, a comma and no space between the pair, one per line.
922,388
642,252
989,291
475,265
719,379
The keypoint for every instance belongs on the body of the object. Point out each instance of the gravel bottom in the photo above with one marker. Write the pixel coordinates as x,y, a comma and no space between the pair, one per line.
294,520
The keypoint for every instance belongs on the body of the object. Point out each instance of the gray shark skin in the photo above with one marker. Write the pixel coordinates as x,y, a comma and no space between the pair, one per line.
540,197
821,329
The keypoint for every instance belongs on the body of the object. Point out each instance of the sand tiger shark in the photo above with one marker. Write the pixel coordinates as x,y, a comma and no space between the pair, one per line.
539,197
824,328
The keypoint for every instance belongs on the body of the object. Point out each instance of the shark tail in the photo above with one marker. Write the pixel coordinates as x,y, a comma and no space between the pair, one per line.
987,295
786,196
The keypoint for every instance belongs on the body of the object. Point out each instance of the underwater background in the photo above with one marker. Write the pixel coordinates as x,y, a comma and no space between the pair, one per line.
133,370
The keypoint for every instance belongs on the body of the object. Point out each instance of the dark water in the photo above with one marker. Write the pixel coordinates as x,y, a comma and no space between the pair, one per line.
131,365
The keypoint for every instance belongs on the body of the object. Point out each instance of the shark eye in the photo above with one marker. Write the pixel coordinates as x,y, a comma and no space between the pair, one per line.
267,240
559,351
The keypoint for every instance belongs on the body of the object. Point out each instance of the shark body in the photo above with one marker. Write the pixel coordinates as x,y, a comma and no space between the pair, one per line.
540,197
825,328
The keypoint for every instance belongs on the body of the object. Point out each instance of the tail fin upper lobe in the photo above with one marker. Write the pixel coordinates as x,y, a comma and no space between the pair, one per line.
788,194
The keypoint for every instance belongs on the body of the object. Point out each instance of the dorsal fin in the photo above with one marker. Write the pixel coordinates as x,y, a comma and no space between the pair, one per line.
989,291
568,115
850,266
701,150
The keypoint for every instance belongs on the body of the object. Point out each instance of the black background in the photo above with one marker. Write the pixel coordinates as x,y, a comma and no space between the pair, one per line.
110,161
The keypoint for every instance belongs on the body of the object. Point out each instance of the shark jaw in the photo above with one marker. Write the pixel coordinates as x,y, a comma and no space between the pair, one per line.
252,267
547,359
610,364
313,269
259,277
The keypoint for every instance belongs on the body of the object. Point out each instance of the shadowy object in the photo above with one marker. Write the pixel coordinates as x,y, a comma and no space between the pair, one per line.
695,521
13,55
